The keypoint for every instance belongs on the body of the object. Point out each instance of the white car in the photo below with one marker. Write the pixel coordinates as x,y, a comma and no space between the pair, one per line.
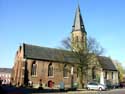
95,86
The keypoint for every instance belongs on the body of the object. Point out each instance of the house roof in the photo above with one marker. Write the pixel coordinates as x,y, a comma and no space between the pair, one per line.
5,70
106,63
52,54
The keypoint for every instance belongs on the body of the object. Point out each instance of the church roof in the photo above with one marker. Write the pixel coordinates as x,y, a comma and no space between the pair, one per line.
52,54
106,63
49,54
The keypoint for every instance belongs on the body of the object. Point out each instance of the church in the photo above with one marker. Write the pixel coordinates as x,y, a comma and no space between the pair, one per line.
50,66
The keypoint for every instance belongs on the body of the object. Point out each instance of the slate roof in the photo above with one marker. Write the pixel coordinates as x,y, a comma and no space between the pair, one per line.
52,54
78,21
106,63
5,70
49,54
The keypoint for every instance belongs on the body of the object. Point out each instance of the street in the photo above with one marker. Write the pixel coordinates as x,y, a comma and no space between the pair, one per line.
113,91
21,90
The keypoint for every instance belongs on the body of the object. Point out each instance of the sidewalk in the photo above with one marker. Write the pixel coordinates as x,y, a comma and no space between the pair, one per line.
83,91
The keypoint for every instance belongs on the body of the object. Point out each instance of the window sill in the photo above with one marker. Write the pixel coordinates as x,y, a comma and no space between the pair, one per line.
33,75
66,77
50,76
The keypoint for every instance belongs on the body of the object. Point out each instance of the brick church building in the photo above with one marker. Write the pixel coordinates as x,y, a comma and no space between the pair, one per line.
52,66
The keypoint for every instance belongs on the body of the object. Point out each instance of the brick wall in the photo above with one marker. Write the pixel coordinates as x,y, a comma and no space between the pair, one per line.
42,72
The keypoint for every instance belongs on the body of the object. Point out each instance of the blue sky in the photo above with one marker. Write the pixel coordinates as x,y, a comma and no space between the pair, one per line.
47,22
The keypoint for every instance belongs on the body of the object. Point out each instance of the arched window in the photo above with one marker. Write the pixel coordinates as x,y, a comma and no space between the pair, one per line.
77,72
50,70
112,75
65,71
34,68
106,75
94,72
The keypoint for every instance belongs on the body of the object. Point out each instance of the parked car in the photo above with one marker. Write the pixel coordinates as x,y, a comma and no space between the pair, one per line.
116,86
95,86
122,84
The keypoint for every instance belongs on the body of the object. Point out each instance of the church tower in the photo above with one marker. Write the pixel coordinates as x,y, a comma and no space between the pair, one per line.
78,34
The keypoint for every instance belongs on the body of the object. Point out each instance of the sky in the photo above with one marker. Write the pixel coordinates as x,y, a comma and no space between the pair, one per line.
47,22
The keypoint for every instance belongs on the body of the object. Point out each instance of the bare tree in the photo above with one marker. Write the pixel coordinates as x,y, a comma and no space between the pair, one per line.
120,69
66,44
84,56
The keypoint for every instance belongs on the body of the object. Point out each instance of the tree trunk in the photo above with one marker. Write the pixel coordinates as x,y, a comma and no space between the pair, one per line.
80,79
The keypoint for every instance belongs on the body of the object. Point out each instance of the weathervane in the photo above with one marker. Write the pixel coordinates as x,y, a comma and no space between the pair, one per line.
78,2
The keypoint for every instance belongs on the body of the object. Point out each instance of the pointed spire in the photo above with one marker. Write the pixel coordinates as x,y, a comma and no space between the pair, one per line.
78,21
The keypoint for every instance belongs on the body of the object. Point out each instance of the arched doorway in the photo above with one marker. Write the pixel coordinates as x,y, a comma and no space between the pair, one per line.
50,83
